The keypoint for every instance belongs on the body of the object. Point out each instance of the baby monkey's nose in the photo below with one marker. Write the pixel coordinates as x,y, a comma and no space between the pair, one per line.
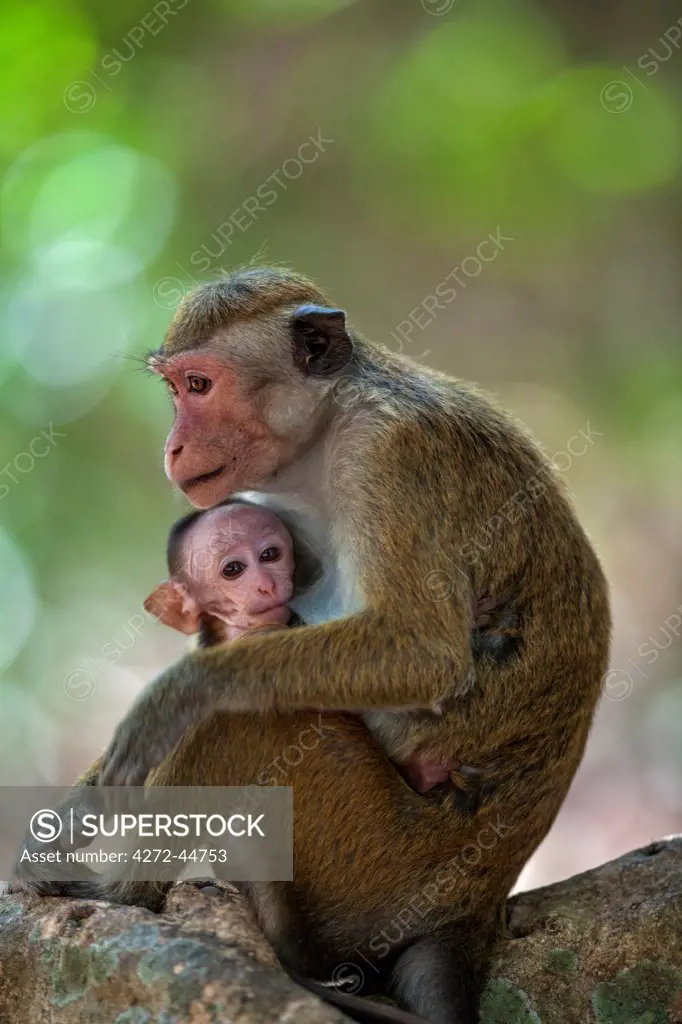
267,588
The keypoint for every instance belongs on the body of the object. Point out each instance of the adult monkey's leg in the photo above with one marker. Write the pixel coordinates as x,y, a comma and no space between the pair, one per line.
364,845
78,803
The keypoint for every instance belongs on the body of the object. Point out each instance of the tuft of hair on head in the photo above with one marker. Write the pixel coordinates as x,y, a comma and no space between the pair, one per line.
174,543
244,293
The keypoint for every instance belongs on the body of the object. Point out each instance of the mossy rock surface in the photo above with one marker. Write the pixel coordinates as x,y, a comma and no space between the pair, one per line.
604,947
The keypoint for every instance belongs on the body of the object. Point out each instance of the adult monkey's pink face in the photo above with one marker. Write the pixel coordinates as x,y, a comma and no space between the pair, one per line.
249,372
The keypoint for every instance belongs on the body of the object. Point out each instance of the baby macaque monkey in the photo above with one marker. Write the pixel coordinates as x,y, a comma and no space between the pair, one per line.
231,572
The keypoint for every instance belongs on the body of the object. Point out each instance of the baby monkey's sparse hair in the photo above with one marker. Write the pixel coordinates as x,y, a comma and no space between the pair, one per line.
307,567
176,536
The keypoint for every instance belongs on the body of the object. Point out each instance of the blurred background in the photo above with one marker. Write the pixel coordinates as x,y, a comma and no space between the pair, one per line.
524,156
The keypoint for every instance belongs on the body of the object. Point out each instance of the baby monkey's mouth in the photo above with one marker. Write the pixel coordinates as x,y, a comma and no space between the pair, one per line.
273,613
187,485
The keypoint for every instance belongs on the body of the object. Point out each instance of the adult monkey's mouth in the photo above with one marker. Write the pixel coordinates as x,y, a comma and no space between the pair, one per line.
187,485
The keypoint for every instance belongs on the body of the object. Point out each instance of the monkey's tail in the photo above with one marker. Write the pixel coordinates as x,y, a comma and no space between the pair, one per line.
442,975
364,1011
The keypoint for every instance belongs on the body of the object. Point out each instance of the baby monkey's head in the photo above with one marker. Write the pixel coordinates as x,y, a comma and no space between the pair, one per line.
233,563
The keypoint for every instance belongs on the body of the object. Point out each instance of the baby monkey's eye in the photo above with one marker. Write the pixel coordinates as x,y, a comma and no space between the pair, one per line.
198,384
270,554
232,570
172,387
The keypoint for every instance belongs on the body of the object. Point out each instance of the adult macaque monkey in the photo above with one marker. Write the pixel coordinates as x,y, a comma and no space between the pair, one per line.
394,488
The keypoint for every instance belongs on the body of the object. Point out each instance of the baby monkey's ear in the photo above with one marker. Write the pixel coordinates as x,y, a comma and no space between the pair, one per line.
171,603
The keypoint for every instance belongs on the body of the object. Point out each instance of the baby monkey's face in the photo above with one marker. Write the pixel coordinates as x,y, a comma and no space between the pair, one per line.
238,565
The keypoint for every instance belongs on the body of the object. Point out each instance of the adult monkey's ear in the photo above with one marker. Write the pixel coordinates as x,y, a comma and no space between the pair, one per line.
172,604
320,344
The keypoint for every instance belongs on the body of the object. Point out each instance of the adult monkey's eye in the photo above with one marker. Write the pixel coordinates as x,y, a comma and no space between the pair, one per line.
172,387
270,554
200,385
232,570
